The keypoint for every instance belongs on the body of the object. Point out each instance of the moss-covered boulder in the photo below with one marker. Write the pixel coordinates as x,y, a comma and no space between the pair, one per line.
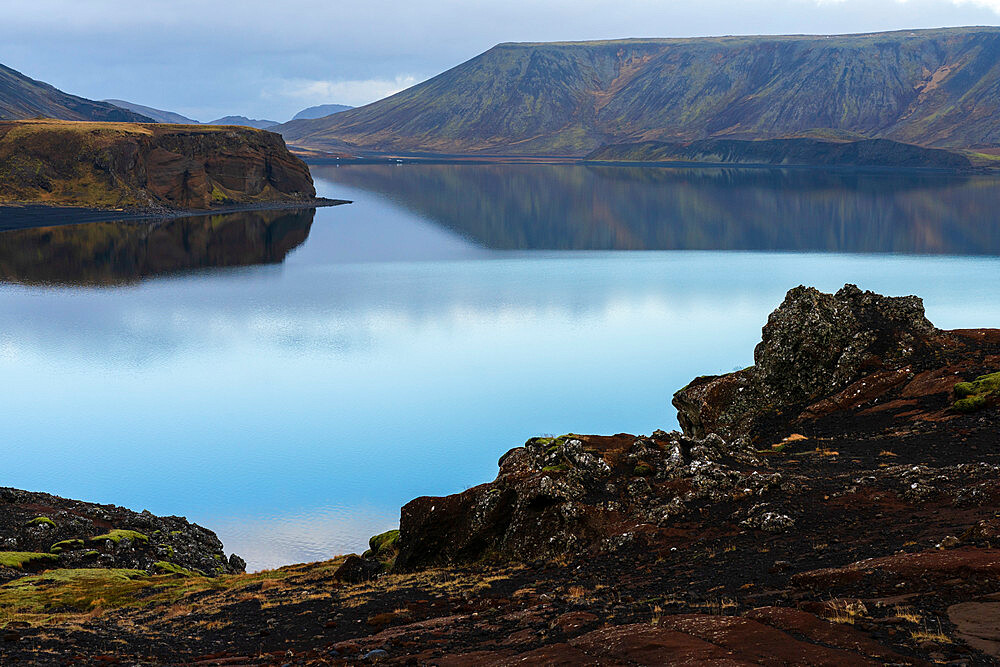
976,395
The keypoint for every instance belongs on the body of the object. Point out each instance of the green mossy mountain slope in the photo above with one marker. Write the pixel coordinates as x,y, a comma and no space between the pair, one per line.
930,87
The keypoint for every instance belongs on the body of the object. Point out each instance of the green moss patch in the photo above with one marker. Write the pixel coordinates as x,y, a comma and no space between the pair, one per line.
117,535
20,560
643,470
166,567
42,521
559,467
975,395
384,541
59,547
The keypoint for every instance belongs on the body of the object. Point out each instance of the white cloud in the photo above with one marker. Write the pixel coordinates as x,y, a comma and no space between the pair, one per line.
353,93
986,4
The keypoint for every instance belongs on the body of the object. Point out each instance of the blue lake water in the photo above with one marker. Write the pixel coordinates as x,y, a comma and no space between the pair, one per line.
290,380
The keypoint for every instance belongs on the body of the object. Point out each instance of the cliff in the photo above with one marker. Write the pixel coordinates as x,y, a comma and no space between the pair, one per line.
797,151
928,87
146,166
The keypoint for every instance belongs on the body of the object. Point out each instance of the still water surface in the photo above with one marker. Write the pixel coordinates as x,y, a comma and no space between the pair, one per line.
290,379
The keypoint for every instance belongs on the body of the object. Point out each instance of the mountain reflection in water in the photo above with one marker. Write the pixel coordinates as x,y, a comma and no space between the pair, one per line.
588,207
116,253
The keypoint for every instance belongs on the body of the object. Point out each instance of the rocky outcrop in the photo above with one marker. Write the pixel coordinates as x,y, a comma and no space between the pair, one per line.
147,166
815,346
579,494
39,531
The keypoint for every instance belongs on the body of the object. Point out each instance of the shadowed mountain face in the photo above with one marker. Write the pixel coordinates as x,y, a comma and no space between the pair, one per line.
115,253
562,207
932,87
21,97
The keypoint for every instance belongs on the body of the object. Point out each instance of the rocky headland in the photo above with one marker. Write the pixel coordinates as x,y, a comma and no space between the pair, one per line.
147,168
833,504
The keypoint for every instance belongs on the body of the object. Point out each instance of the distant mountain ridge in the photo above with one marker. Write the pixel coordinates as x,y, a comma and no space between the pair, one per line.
22,97
936,88
244,121
321,111
159,115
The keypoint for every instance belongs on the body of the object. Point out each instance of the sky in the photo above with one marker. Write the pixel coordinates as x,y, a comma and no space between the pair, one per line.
264,59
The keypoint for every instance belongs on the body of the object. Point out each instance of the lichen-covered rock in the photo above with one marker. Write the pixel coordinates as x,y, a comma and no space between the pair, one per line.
79,534
814,345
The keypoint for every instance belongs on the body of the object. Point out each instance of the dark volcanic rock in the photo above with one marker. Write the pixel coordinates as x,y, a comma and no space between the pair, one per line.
578,494
76,534
813,346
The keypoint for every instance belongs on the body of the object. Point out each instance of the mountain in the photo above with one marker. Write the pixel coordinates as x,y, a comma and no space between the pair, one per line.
244,121
321,111
159,115
22,97
930,87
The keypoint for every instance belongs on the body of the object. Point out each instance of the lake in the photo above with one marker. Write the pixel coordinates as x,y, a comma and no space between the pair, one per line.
290,379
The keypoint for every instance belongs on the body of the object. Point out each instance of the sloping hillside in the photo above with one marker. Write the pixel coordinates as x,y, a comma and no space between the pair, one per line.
932,87
159,115
21,97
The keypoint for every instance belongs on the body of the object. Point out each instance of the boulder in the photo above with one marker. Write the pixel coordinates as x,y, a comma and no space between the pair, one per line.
813,346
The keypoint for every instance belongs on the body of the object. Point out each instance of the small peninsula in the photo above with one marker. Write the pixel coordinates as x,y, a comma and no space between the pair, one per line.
56,169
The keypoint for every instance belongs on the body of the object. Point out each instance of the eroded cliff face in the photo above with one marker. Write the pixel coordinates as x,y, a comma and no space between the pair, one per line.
146,165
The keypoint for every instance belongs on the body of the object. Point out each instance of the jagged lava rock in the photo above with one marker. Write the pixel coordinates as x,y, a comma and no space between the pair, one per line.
579,494
813,345
78,534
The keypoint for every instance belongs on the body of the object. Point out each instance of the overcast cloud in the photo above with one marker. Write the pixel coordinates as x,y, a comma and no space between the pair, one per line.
210,58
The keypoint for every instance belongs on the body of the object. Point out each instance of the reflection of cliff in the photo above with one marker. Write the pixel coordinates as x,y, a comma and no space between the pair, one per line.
109,253
581,207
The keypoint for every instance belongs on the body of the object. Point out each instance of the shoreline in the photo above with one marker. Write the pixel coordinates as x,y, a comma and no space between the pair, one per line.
473,159
26,216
